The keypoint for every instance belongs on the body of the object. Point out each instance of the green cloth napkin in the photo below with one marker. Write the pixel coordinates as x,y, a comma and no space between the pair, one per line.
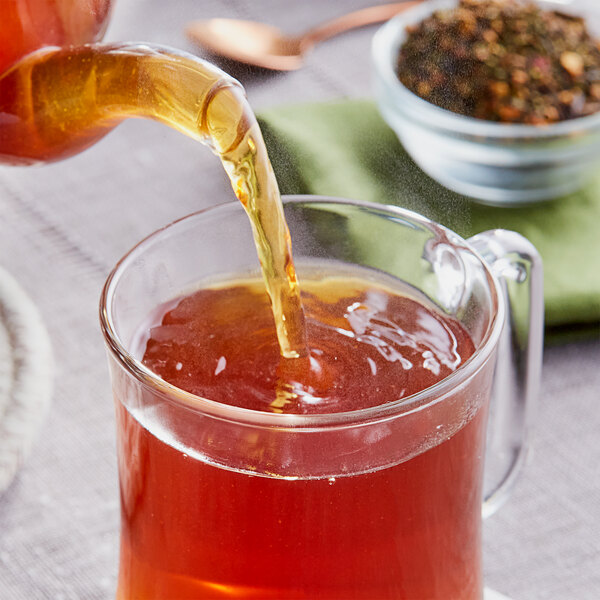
345,149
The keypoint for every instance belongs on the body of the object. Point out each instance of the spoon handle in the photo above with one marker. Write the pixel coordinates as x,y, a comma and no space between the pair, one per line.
353,20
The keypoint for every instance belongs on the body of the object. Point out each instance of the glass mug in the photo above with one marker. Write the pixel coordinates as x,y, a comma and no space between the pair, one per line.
382,502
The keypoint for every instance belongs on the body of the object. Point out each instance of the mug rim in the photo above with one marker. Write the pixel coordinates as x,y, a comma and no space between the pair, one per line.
392,409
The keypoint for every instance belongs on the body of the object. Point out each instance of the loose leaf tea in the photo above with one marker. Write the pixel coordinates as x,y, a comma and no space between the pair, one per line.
503,60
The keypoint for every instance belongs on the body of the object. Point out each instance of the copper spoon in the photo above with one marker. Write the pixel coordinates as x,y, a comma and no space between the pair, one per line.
268,47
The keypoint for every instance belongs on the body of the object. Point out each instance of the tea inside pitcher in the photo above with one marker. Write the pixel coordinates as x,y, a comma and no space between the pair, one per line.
27,25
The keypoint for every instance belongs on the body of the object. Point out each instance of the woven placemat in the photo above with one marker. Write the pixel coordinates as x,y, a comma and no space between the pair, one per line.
26,375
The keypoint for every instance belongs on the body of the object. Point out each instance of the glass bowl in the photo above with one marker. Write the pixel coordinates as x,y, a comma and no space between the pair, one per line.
493,163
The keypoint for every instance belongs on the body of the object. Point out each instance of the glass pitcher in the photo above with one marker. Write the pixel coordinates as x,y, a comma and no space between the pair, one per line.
28,25
60,92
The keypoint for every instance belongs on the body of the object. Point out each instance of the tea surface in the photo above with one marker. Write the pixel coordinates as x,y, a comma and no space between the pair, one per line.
366,346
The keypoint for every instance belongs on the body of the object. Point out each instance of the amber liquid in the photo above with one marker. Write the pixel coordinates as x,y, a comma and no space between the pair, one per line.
367,345
54,103
191,529
26,25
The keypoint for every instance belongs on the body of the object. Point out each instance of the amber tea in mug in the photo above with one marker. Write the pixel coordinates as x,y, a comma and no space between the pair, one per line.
355,471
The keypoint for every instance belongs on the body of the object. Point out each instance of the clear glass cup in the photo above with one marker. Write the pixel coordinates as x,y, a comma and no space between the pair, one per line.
383,502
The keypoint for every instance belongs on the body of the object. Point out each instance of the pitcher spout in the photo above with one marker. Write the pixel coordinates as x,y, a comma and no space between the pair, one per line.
56,102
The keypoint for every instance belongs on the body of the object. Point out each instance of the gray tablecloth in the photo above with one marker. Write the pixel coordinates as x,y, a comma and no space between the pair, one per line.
62,228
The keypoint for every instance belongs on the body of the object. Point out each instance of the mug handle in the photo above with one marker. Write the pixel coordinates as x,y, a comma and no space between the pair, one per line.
518,267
